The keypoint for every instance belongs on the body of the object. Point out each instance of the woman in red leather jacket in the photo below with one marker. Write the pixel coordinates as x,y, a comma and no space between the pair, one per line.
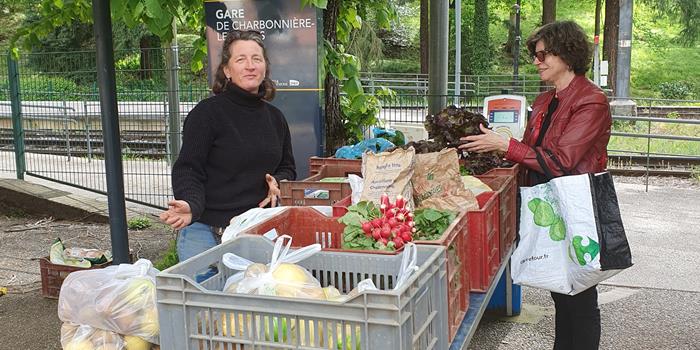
567,134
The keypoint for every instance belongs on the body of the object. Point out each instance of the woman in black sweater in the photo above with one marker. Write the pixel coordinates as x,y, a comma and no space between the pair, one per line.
236,148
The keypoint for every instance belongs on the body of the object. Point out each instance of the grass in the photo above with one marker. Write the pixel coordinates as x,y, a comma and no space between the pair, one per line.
641,144
169,257
656,58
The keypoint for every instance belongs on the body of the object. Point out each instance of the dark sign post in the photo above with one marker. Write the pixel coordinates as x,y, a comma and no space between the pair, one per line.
291,39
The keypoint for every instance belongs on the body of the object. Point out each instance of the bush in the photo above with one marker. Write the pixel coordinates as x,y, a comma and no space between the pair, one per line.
398,66
49,88
139,223
129,62
675,90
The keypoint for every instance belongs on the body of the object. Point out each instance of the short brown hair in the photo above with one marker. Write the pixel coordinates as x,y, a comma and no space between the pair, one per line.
565,39
222,84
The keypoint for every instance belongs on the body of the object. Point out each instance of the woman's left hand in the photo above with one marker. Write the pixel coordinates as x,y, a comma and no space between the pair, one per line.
486,142
273,193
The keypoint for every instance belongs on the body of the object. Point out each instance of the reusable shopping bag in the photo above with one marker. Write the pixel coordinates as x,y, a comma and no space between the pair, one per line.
571,234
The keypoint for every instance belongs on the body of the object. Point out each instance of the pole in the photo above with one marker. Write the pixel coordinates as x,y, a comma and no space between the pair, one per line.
516,46
458,46
624,52
110,126
174,125
17,127
437,62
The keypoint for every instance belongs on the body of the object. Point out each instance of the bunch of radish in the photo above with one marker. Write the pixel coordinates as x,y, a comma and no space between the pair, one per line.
395,225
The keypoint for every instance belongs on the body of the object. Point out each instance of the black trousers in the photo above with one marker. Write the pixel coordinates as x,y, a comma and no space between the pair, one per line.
577,320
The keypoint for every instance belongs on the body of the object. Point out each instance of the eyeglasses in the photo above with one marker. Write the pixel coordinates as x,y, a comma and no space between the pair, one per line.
540,55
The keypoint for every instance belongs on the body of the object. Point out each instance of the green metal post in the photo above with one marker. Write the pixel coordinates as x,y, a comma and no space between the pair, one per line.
17,128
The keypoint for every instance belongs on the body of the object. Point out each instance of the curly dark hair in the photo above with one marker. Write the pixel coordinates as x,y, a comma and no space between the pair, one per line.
565,39
222,84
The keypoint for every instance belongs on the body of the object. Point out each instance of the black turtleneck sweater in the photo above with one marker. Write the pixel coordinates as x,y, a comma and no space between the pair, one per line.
230,141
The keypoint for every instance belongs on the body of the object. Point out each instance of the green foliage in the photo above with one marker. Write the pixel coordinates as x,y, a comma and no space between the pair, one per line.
685,12
432,223
397,66
139,223
676,90
660,146
49,88
353,236
359,110
130,62
156,16
169,257
481,53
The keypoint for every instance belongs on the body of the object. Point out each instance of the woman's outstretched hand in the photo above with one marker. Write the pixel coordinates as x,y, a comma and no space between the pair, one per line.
273,193
178,215
486,142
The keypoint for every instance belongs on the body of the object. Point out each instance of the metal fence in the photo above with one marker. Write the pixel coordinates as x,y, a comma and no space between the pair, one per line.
62,132
470,86
62,126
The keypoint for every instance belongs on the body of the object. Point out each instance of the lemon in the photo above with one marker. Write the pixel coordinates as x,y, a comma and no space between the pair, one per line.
136,343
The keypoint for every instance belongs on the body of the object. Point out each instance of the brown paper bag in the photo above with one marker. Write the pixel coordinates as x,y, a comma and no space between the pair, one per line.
388,172
437,183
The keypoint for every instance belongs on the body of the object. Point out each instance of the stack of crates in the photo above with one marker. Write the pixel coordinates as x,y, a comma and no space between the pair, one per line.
455,240
505,182
296,193
484,257
201,316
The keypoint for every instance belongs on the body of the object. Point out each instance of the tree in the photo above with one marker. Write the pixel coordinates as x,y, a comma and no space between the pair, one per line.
334,120
424,36
549,11
345,115
481,54
610,37
686,12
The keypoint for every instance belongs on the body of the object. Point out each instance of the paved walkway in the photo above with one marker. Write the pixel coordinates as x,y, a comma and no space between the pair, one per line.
652,305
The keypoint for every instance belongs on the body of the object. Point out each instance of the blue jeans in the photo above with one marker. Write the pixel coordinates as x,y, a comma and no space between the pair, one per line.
194,239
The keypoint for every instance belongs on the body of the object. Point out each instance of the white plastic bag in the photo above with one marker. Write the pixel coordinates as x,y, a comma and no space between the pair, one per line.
249,219
280,277
560,245
75,337
120,299
356,184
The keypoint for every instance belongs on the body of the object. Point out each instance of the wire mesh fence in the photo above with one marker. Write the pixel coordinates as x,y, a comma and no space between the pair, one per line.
61,118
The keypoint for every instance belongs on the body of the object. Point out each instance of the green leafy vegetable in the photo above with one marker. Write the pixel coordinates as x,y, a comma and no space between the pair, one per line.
353,236
431,223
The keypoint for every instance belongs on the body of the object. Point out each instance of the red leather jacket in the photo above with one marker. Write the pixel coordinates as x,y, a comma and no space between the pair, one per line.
577,139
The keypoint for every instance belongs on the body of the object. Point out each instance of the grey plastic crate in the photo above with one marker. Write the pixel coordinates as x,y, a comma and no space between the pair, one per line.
200,316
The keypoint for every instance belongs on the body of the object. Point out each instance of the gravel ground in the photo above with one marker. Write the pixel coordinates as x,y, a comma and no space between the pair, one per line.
645,319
